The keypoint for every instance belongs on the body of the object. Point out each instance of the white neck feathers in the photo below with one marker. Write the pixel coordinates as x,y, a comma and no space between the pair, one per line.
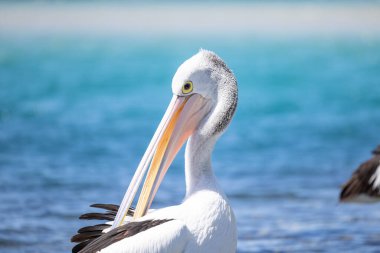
198,170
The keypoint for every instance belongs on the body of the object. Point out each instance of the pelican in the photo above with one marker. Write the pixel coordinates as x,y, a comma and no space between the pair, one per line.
204,100
364,185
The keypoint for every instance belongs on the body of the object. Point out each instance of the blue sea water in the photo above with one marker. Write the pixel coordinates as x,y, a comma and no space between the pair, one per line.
76,115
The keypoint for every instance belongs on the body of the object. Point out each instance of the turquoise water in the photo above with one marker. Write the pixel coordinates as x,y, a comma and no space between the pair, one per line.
76,115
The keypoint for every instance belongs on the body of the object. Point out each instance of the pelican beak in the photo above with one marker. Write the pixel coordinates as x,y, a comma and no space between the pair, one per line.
185,114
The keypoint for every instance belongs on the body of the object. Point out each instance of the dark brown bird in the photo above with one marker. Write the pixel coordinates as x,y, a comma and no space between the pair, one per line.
364,185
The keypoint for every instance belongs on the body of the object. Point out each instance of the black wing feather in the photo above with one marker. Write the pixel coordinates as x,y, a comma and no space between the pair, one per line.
80,246
99,227
98,216
109,207
88,234
85,236
120,233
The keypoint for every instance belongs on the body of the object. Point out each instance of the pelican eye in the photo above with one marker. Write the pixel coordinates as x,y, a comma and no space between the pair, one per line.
187,87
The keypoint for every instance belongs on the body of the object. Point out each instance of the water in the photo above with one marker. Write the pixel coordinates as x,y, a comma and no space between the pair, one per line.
76,115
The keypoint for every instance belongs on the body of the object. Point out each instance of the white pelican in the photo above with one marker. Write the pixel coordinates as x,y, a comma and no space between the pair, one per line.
204,101
364,185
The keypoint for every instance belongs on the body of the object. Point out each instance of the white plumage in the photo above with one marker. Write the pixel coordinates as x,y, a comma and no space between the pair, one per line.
375,179
204,101
204,222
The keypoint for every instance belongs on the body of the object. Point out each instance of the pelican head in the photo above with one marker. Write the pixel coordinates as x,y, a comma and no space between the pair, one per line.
213,84
204,101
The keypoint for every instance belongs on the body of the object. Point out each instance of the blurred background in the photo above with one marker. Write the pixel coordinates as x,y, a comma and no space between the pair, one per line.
84,84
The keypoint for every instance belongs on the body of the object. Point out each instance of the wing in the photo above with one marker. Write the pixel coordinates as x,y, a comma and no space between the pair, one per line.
88,234
364,185
154,235
166,236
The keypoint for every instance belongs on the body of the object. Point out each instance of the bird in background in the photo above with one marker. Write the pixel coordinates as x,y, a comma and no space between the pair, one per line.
364,184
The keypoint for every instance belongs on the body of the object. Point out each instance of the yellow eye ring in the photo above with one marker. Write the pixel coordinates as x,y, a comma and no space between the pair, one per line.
187,87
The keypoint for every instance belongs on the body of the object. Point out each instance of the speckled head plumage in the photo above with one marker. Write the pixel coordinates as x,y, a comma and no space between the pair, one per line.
376,151
214,81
